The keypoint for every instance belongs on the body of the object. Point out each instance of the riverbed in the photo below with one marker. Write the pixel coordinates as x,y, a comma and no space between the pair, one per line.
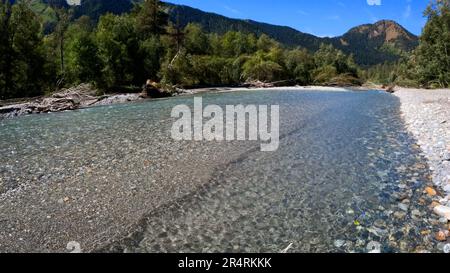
347,177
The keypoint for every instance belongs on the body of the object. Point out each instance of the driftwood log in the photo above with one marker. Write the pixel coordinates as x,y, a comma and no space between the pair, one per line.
73,98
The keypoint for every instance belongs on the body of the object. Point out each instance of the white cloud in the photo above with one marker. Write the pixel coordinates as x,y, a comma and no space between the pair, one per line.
374,2
232,10
407,12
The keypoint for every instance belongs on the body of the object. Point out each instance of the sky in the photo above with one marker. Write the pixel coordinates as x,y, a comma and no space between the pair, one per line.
319,17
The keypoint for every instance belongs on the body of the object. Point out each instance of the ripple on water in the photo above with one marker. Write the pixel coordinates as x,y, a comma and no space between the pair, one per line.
344,164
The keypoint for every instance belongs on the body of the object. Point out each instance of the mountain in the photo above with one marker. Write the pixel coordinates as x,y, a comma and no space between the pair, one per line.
216,23
376,43
96,8
370,44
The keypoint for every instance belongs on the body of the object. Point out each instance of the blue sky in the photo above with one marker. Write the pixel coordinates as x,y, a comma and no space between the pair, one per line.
319,17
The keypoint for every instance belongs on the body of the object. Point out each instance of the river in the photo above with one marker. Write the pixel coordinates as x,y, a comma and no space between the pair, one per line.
347,177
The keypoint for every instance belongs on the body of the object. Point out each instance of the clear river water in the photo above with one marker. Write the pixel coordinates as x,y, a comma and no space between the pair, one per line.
347,177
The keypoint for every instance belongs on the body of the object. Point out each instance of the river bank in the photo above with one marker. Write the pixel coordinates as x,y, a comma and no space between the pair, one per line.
427,117
84,96
77,97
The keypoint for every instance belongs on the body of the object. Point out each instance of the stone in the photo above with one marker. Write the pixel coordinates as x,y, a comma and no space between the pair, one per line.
435,204
441,236
447,249
74,247
425,232
442,211
447,188
430,191
403,206
339,243
379,223
399,215
373,247
416,213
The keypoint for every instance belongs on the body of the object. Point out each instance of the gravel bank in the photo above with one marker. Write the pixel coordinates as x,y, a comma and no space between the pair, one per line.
427,116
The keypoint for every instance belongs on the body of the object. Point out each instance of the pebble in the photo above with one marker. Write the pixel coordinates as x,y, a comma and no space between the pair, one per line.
441,236
74,247
447,248
399,215
447,188
442,211
379,223
339,243
374,247
416,213
435,204
403,207
425,232
430,191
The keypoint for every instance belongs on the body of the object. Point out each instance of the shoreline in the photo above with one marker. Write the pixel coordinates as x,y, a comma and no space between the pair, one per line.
300,88
83,96
426,114
427,117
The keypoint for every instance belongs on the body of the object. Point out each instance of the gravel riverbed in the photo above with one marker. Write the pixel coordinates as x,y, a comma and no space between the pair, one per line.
427,117
111,179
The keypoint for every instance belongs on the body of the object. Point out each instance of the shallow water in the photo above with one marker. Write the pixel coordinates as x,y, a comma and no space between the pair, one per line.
344,164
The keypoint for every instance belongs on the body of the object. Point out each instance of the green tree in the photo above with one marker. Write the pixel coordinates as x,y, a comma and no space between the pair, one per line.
195,40
299,64
234,44
151,19
259,67
118,48
432,57
331,62
22,71
63,17
151,51
83,61
265,43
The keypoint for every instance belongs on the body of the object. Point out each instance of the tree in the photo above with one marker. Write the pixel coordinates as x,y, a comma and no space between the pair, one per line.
83,61
22,71
195,40
331,62
299,64
63,19
234,44
6,50
151,51
265,43
118,49
151,20
258,67
432,57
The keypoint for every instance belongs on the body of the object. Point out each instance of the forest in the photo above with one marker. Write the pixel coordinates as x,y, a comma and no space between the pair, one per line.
121,52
